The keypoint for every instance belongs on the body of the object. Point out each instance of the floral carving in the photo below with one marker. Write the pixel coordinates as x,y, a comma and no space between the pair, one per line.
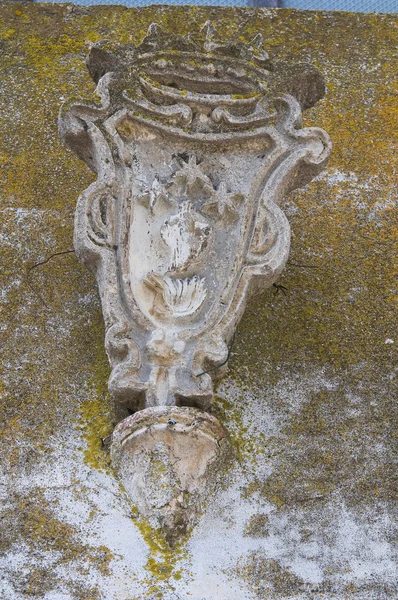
176,297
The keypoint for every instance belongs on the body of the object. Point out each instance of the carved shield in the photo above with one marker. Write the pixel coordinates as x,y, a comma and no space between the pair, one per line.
195,143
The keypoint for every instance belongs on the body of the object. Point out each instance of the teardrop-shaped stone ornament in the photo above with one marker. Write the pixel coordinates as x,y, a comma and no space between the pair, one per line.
170,459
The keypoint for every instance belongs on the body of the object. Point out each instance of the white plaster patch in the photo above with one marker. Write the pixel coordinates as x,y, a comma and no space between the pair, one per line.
362,545
23,221
334,176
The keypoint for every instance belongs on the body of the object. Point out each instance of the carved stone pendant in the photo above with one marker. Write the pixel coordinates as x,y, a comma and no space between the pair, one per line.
194,142
170,459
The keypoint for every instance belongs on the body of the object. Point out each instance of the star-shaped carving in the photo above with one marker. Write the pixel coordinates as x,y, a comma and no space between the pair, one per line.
151,195
224,199
223,203
192,177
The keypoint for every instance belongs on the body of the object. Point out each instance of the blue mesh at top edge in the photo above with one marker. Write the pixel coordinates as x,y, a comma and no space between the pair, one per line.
135,3
345,5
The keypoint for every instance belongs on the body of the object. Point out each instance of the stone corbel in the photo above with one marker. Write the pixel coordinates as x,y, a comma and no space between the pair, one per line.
194,142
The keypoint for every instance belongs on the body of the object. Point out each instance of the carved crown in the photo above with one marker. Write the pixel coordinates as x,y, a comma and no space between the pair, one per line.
202,84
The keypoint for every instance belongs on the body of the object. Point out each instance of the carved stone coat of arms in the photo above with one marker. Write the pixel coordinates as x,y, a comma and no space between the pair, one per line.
194,141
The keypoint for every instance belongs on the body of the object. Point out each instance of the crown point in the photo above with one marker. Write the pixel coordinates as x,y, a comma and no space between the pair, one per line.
153,29
257,41
209,44
210,30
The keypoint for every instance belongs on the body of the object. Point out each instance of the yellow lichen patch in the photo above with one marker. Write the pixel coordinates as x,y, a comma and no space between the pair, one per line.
248,447
96,426
32,520
268,577
97,416
9,33
244,96
163,559
258,526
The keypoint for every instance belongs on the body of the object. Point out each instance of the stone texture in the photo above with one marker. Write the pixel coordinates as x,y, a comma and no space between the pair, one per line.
310,509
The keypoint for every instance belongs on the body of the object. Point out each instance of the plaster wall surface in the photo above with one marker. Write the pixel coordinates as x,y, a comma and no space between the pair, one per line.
308,509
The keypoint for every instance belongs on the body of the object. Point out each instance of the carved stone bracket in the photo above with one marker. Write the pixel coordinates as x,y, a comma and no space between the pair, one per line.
194,142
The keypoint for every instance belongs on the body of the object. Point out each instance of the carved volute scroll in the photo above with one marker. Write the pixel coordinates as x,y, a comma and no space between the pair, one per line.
194,142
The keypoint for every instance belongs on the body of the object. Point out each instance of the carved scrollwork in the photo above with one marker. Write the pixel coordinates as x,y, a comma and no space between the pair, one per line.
195,142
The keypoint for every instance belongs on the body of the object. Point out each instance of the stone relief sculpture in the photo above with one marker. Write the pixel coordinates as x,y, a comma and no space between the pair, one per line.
194,142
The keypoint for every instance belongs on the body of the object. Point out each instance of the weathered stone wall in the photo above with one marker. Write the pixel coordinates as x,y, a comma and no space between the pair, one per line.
308,510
